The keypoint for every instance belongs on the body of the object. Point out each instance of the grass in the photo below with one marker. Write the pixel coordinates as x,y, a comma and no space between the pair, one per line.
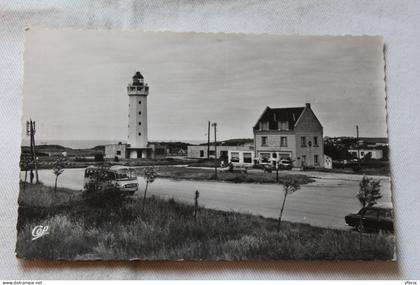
48,162
41,196
167,230
187,173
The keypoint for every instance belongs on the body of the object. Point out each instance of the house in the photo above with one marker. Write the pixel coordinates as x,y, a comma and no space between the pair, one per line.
293,133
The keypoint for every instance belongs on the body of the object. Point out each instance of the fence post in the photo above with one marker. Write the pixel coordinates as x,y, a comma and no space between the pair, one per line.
197,194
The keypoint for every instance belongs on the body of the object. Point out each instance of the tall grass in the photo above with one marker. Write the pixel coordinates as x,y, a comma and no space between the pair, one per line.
166,229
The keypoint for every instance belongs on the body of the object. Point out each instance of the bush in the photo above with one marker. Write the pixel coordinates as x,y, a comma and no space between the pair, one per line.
99,157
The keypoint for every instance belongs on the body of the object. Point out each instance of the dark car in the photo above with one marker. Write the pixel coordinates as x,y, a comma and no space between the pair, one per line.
374,219
285,164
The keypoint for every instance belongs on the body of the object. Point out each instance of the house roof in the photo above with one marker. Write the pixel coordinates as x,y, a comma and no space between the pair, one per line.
274,115
138,75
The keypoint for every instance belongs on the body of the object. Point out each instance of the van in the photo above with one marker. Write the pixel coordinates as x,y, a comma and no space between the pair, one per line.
117,177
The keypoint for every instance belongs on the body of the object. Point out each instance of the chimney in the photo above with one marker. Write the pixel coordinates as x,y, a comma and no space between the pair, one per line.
308,105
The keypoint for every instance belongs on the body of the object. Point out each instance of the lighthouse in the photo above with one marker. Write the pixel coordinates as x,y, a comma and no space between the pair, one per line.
137,117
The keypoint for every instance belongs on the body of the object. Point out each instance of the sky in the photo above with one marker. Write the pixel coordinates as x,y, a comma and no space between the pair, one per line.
75,82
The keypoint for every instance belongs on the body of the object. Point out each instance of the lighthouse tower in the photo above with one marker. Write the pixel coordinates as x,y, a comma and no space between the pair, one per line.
137,117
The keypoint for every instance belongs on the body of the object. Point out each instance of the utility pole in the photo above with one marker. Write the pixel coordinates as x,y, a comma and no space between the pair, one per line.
30,131
208,140
215,150
277,163
357,142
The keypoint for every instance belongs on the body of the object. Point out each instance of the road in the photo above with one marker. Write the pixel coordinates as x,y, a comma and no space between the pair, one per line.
323,203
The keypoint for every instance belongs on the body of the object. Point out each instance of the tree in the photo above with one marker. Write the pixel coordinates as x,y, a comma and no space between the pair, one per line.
58,169
149,176
289,186
368,195
369,192
99,157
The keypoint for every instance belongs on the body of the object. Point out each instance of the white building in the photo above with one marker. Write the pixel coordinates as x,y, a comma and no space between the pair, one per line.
293,133
137,144
202,151
375,153
137,118
241,157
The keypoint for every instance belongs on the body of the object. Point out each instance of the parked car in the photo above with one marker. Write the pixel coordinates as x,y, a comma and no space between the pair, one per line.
234,167
266,167
374,219
285,164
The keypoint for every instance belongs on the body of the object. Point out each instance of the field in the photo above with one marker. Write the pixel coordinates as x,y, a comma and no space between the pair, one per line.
190,173
119,228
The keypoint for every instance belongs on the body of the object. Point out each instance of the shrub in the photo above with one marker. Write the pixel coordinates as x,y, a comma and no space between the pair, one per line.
99,157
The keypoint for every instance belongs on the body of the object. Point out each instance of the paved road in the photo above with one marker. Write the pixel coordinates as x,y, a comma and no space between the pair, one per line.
323,203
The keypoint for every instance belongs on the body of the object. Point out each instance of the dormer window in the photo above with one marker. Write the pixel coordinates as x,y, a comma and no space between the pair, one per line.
283,125
264,126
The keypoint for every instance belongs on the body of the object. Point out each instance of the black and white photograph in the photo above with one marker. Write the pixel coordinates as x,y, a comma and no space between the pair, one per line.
203,146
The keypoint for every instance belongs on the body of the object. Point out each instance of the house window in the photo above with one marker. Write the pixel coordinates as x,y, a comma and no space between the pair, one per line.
118,152
283,141
315,141
139,102
265,157
139,134
274,155
139,123
264,141
283,125
284,156
139,113
247,157
303,141
234,157
362,153
211,152
316,159
201,153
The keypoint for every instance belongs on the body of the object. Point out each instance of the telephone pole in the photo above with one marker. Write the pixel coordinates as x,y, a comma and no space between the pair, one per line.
215,150
208,140
30,131
357,142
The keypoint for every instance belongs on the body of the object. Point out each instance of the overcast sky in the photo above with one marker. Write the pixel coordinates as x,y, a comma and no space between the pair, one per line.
75,82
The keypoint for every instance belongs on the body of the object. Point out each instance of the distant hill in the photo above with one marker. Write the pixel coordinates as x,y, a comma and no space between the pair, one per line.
173,144
99,147
51,147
